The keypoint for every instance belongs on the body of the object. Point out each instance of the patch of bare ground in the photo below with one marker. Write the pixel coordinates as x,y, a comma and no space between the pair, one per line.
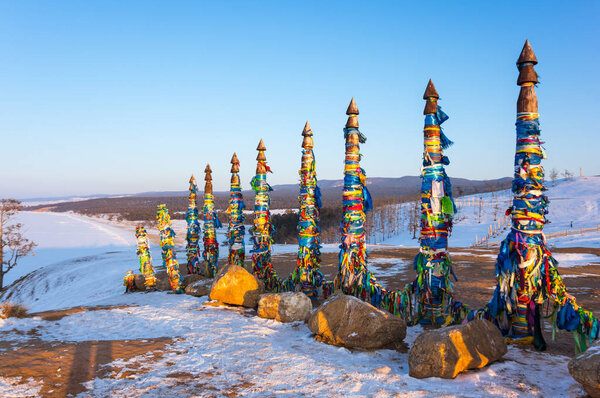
475,270
63,367
43,209
56,315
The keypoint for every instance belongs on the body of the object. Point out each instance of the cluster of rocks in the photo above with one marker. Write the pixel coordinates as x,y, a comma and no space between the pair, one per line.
347,321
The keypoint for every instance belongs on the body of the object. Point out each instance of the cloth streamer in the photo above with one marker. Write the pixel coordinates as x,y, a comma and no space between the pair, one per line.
211,223
143,252
129,282
236,229
193,230
433,287
526,272
167,237
307,273
354,278
262,229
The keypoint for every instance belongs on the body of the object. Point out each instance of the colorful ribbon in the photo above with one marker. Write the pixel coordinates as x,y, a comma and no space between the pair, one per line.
211,246
143,252
262,233
167,237
193,231
527,273
236,229
307,273
432,287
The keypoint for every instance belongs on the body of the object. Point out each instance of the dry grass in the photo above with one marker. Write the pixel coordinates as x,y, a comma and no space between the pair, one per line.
12,310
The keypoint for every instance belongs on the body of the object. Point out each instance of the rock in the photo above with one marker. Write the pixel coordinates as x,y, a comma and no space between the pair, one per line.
347,321
162,281
199,286
449,351
285,307
139,282
235,286
585,368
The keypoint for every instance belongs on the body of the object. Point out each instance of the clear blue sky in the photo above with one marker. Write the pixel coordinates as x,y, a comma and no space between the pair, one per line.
124,96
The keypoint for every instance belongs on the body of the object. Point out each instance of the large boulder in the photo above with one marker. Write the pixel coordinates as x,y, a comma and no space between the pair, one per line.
197,286
347,321
235,286
585,368
285,307
447,352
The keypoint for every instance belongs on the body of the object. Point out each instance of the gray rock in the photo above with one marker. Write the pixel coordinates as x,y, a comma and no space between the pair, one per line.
285,307
199,287
585,368
347,321
449,351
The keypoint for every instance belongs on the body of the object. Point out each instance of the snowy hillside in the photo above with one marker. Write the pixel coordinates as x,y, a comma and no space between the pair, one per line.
574,201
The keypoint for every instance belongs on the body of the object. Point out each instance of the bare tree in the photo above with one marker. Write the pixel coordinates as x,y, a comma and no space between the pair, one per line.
415,217
12,243
567,174
554,175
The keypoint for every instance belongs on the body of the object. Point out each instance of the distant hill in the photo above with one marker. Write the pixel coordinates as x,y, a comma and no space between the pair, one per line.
380,187
142,206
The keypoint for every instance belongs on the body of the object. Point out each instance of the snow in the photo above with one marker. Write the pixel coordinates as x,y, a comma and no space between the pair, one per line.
14,387
66,236
393,266
81,261
568,260
574,204
262,357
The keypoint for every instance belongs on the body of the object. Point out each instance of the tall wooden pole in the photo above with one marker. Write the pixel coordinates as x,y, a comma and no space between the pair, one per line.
526,271
211,223
236,229
193,230
433,287
143,252
167,244
353,273
307,272
262,229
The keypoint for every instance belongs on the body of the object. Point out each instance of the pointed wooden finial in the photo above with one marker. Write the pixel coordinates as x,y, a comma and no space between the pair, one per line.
430,91
352,108
192,179
208,178
527,59
527,102
431,96
352,113
261,146
235,164
527,55
307,130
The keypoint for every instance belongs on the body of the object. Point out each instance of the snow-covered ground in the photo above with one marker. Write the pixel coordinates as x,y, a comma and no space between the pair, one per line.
269,358
574,204
81,261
